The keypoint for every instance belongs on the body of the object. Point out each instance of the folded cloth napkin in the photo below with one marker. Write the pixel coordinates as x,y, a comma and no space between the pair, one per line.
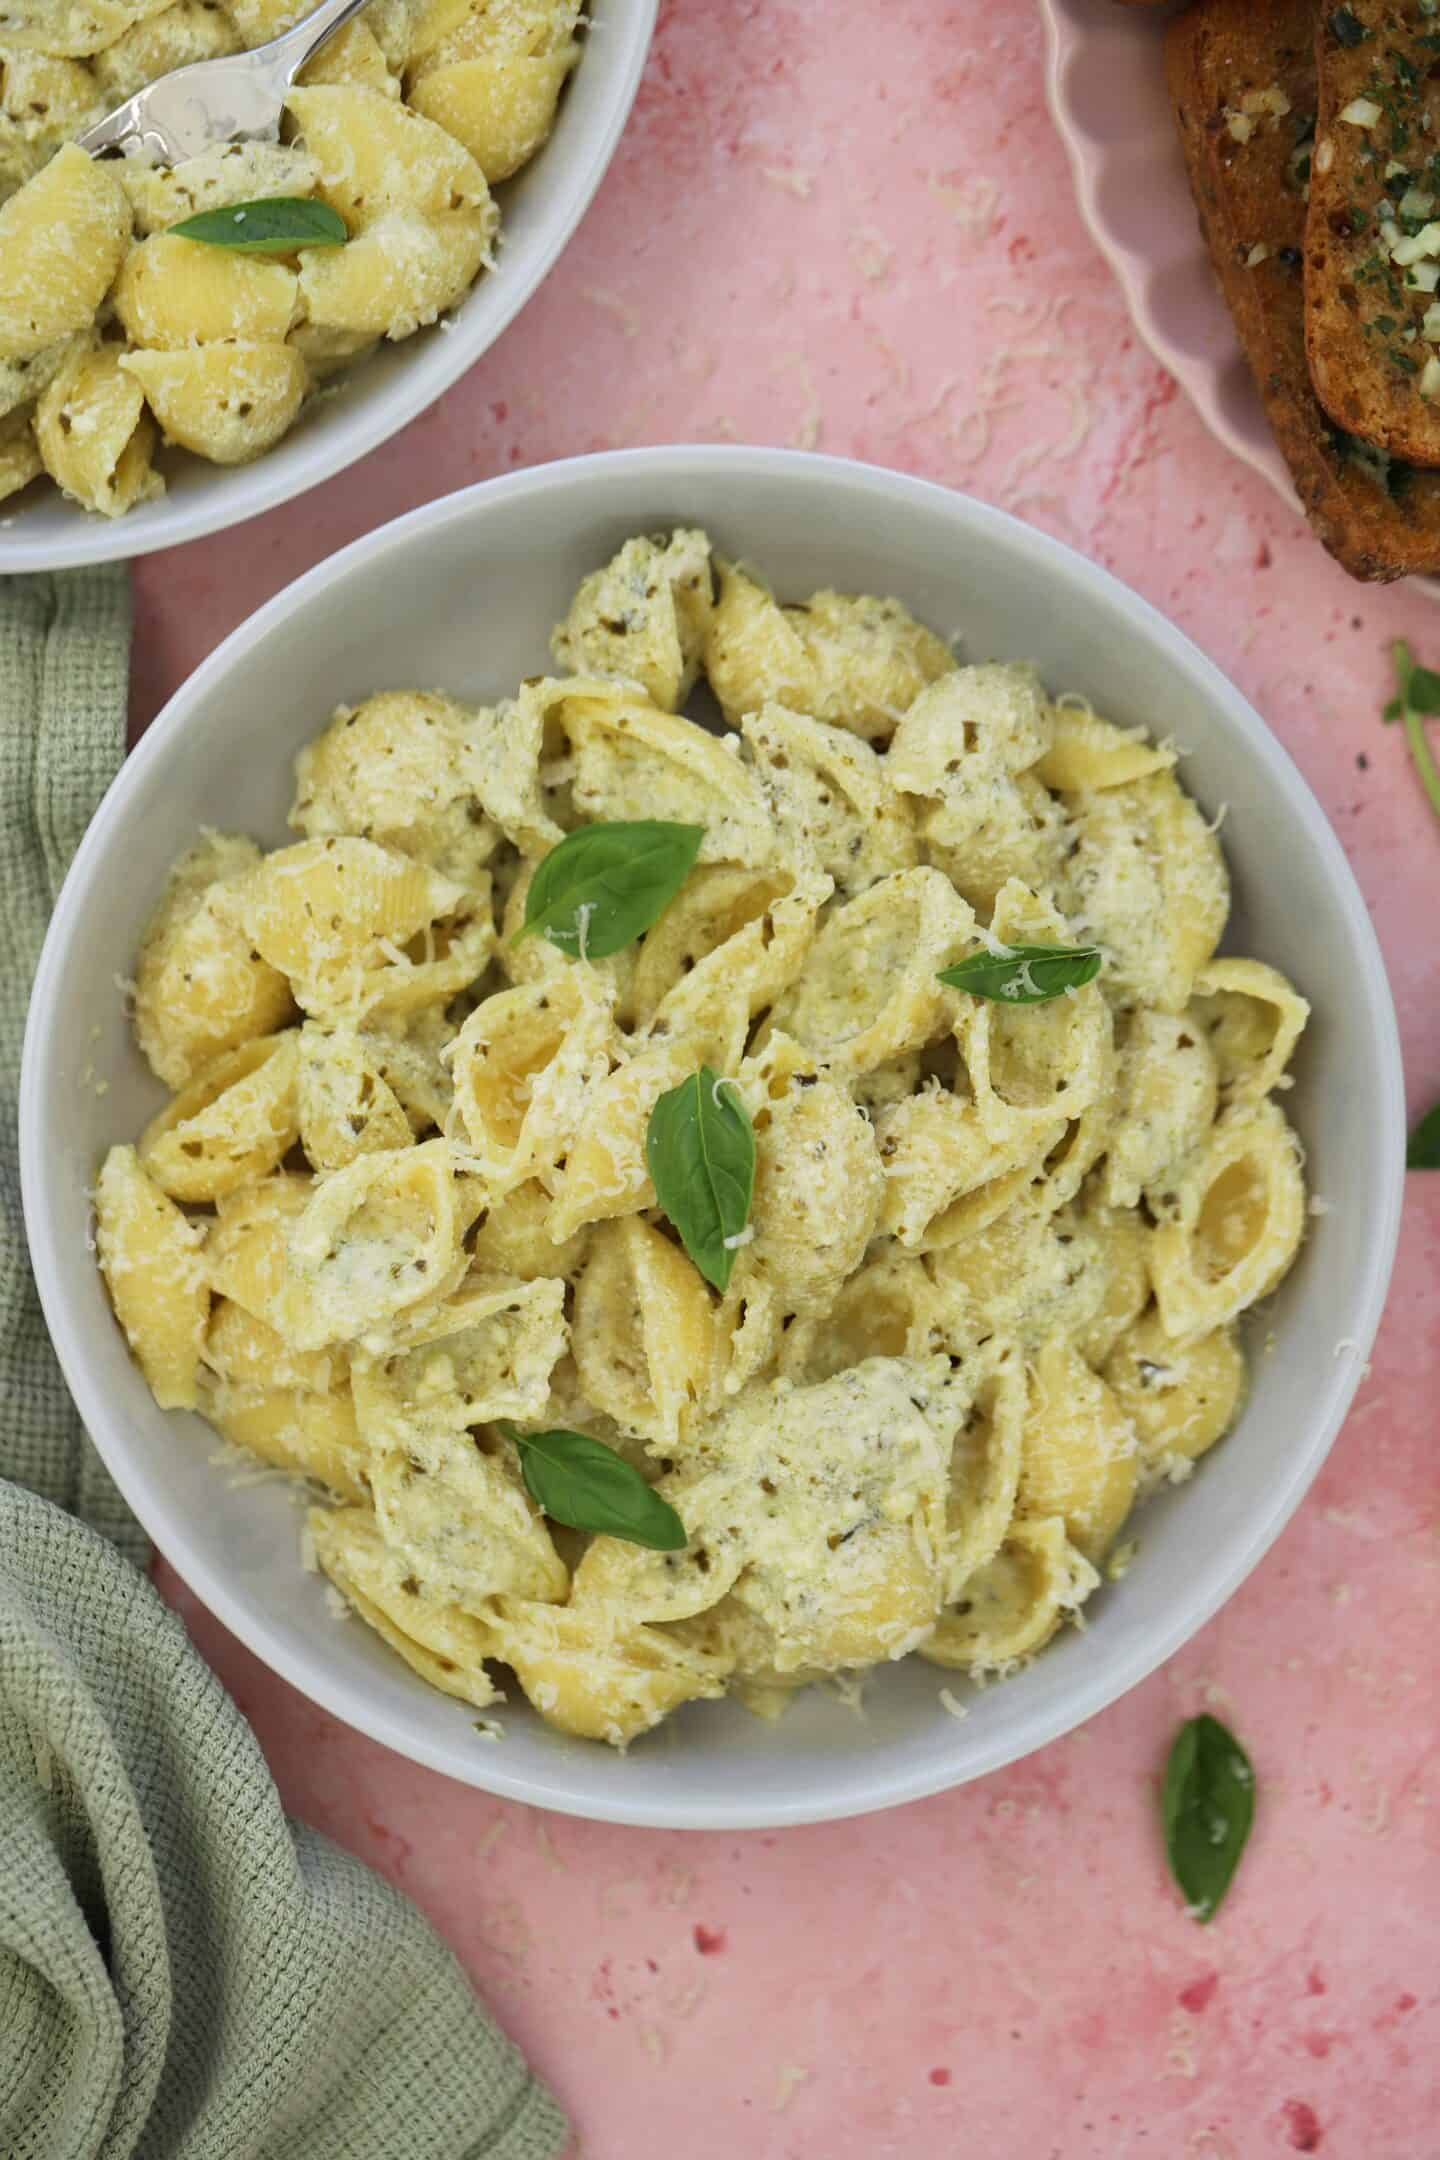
183,1974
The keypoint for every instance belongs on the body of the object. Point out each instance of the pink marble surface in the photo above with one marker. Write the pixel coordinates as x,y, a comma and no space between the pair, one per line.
850,227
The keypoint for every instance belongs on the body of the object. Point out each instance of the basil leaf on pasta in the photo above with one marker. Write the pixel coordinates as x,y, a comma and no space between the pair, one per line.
1025,974
278,225
1207,1807
700,1150
1423,1153
603,886
578,1480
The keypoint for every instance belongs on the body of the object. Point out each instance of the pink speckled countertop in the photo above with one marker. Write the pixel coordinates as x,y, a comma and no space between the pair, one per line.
850,226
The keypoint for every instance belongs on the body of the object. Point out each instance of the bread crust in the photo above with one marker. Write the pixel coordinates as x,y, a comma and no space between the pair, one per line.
1242,81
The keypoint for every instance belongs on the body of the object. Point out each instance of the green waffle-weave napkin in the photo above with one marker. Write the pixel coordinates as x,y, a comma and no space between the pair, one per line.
183,1974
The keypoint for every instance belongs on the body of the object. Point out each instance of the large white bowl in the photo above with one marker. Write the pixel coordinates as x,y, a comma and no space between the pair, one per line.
463,594
540,209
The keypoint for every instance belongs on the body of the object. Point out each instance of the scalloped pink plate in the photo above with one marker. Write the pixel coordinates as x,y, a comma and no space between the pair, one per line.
1105,80
1106,85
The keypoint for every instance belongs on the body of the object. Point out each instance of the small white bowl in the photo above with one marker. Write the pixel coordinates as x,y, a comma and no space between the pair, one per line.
462,594
540,209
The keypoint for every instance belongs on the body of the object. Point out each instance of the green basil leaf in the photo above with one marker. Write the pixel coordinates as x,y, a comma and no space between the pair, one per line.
700,1148
276,226
1423,1153
1207,1807
603,886
1027,975
579,1481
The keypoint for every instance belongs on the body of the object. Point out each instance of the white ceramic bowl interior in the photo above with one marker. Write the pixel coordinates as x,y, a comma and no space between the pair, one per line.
463,594
540,208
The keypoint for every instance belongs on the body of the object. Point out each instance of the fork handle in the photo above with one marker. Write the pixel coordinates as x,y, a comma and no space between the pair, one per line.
293,48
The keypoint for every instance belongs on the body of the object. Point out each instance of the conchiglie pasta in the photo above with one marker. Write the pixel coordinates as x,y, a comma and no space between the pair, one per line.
513,1237
172,293
94,435
628,752
446,1646
713,906
165,195
819,1185
1012,1606
150,1255
1028,1065
358,928
346,1105
870,990
832,798
1181,1395
183,32
501,109
61,240
854,660
946,1176
353,59
44,98
888,1308
200,988
1238,1214
85,27
1167,1095
246,1247
985,1468
1146,880
1252,1018
227,403
375,1240
230,1126
308,1435
605,1173
373,155
485,1352
20,459
525,1064
392,769
398,274
1086,752
461,1516
1079,1458
643,617
985,1294
644,1331
243,1351
610,1687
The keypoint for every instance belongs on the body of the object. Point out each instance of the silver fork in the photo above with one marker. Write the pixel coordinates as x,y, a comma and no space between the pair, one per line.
236,99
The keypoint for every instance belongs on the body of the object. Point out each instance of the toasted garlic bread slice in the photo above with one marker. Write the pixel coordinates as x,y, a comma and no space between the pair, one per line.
1242,83
1372,234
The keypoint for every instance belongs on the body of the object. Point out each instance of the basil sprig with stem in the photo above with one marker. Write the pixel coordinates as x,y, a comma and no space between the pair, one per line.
1419,698
700,1150
1025,974
604,885
1423,1153
276,225
1207,1806
576,1479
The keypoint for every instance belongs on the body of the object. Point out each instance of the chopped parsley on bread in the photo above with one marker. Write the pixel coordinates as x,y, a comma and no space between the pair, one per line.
1372,238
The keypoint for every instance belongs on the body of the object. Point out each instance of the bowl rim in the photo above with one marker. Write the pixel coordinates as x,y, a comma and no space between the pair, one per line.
867,1784
449,352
